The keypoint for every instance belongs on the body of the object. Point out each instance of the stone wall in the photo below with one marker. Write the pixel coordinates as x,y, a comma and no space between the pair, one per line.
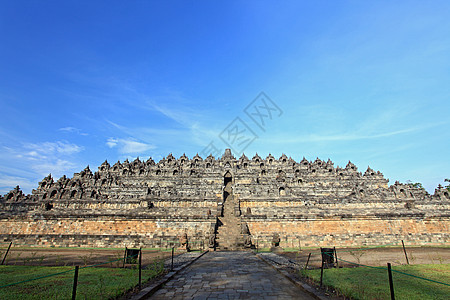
95,232
354,232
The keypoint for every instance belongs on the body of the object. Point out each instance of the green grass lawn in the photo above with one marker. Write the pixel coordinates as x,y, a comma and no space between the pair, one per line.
370,283
93,283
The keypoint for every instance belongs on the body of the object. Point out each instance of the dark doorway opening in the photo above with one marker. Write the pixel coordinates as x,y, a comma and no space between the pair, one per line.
227,179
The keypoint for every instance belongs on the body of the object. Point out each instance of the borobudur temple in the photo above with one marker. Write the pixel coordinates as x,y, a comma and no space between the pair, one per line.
224,203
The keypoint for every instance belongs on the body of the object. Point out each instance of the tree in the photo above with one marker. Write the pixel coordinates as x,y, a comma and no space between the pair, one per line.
417,185
447,186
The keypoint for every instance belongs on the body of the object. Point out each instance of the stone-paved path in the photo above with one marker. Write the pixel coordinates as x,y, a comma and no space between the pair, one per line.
230,275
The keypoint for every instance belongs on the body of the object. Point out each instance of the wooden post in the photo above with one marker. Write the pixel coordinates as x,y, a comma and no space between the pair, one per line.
124,257
4,257
140,267
321,273
75,283
321,267
404,250
391,283
335,255
309,256
171,266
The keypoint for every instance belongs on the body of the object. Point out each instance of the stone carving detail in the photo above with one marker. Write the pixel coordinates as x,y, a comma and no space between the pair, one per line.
212,236
184,242
248,241
15,195
276,240
244,229
212,240
245,232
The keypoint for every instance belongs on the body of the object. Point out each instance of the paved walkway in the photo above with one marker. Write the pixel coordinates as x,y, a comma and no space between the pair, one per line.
230,275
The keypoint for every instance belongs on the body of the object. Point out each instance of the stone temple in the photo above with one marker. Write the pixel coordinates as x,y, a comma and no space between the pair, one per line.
224,203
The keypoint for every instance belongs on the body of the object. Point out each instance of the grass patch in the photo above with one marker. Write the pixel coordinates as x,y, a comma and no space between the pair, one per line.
93,283
372,283
290,249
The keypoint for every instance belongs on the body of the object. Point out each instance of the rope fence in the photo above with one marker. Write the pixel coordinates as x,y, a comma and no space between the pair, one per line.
385,268
63,272
110,281
36,278
201,243
358,253
340,281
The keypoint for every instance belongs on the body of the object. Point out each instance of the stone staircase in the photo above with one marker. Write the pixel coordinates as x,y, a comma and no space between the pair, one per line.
229,235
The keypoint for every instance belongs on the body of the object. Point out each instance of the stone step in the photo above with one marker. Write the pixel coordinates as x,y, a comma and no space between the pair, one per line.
237,226
223,227
228,229
230,223
222,231
229,240
228,248
228,236
229,217
229,243
233,244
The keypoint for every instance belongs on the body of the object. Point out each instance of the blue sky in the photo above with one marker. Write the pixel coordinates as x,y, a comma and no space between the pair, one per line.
85,81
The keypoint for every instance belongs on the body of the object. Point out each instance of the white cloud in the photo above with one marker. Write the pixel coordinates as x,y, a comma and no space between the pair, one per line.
129,146
135,147
56,167
70,129
8,182
51,148
29,162
112,142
